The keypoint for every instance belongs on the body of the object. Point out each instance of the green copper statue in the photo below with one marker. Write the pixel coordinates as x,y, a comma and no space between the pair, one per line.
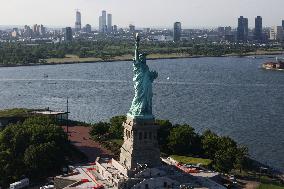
143,78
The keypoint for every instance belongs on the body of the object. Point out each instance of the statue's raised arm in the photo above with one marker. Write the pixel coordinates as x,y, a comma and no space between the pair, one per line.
137,41
143,78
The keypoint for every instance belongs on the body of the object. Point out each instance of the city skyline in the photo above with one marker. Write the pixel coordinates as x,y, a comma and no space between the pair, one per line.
125,12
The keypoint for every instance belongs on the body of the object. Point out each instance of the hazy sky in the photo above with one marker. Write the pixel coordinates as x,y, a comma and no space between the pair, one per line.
142,13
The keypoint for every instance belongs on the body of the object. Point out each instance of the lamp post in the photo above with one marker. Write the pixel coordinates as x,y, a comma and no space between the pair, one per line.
67,124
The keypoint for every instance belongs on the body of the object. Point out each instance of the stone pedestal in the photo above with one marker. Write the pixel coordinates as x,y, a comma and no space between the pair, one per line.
140,147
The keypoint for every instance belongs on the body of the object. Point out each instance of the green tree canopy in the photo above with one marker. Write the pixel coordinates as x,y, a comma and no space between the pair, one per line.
99,129
116,128
163,133
210,143
35,148
179,140
183,140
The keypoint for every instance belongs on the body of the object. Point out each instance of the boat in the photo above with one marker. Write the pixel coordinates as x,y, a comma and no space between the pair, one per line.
278,65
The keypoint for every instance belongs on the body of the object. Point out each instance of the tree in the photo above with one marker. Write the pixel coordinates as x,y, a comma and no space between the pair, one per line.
210,143
42,159
35,148
40,120
164,130
116,128
224,152
6,175
99,129
241,155
224,160
183,140
225,157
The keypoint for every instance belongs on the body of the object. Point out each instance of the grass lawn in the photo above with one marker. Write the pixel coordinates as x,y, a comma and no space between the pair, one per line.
171,55
267,52
72,58
269,186
191,160
16,112
75,59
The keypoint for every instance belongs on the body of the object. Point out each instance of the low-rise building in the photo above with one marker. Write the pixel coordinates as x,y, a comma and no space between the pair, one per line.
276,33
163,38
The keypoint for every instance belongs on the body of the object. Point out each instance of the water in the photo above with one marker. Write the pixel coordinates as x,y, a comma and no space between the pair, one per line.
231,96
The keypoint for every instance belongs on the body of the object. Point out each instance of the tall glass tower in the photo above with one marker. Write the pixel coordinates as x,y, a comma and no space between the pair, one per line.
258,29
68,34
242,31
78,21
104,21
109,22
101,24
177,31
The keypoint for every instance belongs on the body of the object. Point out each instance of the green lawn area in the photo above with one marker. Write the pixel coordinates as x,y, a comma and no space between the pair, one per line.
269,186
191,160
171,55
16,112
75,59
71,59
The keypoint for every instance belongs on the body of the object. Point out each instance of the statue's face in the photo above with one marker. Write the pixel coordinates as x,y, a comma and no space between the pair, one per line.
137,37
142,58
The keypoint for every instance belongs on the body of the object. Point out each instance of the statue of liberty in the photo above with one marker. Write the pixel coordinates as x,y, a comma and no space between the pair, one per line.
143,78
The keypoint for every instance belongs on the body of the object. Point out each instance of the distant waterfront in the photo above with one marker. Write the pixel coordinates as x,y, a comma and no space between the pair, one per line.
74,59
231,96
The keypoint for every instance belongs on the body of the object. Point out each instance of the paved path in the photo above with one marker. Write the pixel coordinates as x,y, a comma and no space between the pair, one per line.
248,184
252,185
80,137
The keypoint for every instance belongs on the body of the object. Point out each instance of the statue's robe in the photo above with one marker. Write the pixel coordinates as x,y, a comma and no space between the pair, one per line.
142,101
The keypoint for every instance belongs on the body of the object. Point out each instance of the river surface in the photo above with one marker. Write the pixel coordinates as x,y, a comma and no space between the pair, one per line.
231,96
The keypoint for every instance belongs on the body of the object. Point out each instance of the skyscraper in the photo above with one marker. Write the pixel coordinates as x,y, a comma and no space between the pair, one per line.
78,21
258,29
177,31
68,34
109,22
104,21
100,24
27,31
35,29
42,30
242,31
114,28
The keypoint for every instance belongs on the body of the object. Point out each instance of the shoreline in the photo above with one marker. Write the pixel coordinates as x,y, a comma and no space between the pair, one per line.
162,57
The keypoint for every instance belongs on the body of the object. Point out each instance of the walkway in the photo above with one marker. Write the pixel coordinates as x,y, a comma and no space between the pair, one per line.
80,137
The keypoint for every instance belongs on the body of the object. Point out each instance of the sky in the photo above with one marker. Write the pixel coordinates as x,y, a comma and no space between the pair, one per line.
141,13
